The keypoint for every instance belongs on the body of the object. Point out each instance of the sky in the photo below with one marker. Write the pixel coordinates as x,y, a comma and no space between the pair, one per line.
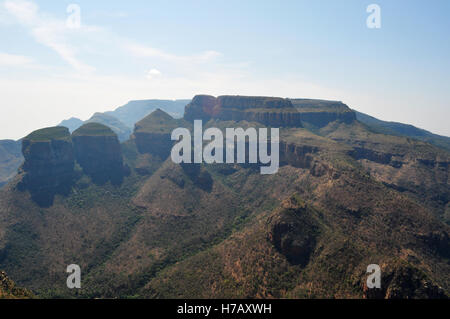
53,68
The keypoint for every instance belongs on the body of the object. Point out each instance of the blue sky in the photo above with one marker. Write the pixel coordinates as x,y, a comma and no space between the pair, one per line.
175,49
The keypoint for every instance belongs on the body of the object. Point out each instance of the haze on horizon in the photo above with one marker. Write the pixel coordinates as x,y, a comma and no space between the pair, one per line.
51,71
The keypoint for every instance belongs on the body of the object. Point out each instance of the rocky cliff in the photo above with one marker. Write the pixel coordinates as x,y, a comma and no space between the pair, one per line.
49,164
98,151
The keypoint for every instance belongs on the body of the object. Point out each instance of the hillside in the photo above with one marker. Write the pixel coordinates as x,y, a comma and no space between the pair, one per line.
343,198
9,290
400,129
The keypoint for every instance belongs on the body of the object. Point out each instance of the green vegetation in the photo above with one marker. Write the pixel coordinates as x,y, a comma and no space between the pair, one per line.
94,129
50,133
158,122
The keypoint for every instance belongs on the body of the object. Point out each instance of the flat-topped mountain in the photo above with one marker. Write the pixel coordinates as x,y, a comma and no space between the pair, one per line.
271,111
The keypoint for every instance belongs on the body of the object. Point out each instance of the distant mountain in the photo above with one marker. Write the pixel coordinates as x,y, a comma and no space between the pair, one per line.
400,129
72,124
123,119
123,131
134,111
10,159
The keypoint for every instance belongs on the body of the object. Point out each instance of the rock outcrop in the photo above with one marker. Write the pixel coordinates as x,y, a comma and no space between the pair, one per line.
153,134
98,151
49,164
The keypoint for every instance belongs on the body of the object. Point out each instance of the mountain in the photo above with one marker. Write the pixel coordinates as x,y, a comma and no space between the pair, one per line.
72,124
344,197
122,130
10,159
123,119
134,111
394,128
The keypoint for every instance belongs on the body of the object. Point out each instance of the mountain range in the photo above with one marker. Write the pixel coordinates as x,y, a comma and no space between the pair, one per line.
123,119
351,191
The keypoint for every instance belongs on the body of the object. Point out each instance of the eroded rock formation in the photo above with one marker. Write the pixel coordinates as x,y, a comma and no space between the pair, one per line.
49,164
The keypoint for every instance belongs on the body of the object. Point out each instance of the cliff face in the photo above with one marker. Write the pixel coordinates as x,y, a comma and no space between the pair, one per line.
269,118
320,113
49,164
98,151
270,111
153,134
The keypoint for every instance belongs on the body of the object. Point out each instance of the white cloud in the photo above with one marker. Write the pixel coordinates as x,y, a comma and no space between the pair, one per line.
15,60
48,31
153,73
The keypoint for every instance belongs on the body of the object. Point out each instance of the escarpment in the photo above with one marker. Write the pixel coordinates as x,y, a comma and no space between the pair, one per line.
153,134
98,151
49,164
